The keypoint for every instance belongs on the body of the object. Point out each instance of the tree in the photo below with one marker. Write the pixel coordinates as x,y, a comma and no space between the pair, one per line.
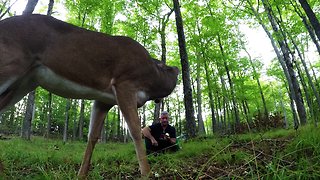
26,128
188,103
66,122
312,17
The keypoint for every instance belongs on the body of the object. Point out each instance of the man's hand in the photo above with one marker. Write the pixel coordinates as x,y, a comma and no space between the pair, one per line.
167,136
154,142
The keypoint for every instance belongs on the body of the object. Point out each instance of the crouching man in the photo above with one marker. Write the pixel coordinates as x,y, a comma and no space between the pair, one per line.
160,137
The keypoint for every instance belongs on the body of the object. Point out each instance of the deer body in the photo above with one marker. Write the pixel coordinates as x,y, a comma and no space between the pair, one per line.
72,62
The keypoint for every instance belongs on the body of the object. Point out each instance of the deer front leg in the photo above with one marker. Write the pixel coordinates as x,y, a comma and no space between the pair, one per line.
98,114
127,101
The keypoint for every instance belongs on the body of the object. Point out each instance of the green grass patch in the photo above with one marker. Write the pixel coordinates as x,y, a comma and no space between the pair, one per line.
277,154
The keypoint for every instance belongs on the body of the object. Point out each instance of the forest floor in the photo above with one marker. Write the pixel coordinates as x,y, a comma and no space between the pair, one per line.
276,154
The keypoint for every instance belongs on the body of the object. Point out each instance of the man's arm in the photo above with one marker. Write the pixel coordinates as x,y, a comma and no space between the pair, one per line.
173,140
146,131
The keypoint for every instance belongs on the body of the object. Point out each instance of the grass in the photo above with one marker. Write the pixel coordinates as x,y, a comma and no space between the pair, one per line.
277,154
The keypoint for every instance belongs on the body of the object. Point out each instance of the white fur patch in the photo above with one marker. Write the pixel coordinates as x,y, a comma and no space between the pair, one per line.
142,97
66,88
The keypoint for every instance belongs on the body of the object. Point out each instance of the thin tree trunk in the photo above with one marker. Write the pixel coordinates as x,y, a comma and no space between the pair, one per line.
49,117
311,84
162,31
81,119
233,97
49,12
312,17
292,77
26,128
211,101
30,6
119,132
285,121
199,102
2,12
306,24
103,133
75,128
50,7
66,122
156,113
189,110
305,89
26,125
280,58
266,113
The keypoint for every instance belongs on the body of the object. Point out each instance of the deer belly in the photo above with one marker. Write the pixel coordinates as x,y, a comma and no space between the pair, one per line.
69,89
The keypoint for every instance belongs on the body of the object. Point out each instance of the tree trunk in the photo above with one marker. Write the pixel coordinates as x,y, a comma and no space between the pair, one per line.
311,84
285,121
50,7
26,128
306,24
26,125
30,6
233,97
81,119
156,113
190,120
119,132
103,133
211,101
312,17
280,58
75,128
49,117
292,80
66,122
201,128
266,113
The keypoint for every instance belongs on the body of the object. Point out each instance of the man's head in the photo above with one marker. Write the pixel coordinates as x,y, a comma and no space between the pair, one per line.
164,118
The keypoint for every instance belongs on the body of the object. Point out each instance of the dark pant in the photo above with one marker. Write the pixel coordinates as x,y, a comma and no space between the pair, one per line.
163,146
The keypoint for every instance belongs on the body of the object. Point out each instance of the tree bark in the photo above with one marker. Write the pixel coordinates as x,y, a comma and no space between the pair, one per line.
281,60
233,97
75,128
311,16
288,61
201,127
50,7
26,125
66,122
306,24
211,101
49,117
190,120
81,119
30,6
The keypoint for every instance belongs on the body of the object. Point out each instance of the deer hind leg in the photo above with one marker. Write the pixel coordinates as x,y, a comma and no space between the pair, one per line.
98,114
127,101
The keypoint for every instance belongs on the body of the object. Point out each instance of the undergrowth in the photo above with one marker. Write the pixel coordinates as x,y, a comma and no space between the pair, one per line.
277,154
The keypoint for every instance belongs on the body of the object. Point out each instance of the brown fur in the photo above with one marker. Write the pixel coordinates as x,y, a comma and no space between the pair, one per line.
115,65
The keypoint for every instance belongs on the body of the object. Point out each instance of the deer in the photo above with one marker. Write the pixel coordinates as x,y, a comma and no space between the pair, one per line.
72,62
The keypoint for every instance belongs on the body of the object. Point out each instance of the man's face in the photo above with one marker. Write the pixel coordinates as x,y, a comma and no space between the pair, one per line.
164,120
